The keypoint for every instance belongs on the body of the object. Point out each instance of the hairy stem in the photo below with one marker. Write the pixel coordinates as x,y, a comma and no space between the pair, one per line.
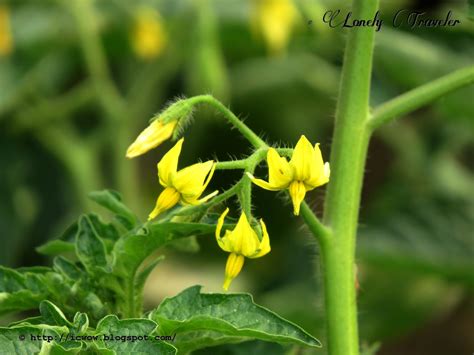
348,154
232,165
420,96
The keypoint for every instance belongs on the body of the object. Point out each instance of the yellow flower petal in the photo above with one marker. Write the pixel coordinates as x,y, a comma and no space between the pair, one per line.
297,193
167,199
319,170
233,267
168,165
274,20
148,36
262,183
151,137
199,201
223,242
191,181
250,242
264,247
280,173
302,159
6,41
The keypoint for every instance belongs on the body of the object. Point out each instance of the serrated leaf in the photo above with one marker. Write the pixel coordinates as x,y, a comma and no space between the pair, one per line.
90,249
56,247
222,317
111,200
112,326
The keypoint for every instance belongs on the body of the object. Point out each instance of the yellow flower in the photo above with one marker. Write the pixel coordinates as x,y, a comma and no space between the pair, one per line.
274,20
151,137
148,35
6,43
240,243
304,172
185,185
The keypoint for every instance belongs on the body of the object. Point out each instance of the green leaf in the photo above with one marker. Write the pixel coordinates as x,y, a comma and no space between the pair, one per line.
111,200
427,238
123,333
67,268
90,249
56,247
186,245
131,250
69,234
52,315
212,319
27,340
19,301
254,347
65,348
104,230
81,323
21,290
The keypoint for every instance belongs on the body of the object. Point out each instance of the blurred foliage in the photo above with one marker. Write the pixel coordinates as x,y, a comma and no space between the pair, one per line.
74,94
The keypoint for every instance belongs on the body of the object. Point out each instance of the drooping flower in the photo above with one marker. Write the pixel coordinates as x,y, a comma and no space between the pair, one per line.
151,137
6,42
185,185
242,242
148,34
274,21
305,171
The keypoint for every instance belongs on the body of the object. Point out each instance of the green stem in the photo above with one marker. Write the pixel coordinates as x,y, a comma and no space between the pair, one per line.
348,154
254,139
420,96
232,165
113,104
96,62
245,196
287,152
319,230
130,306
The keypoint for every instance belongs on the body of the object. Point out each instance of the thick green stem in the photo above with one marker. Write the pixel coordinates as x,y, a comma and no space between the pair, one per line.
348,154
111,101
254,139
420,96
96,62
131,309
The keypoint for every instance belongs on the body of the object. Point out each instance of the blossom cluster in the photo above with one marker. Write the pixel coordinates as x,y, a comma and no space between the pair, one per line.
305,171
